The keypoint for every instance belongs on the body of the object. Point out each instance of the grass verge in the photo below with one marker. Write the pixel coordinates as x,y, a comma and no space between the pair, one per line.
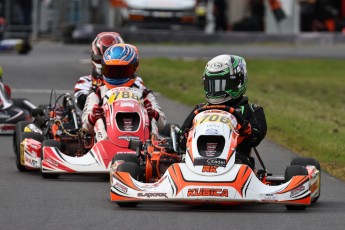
304,100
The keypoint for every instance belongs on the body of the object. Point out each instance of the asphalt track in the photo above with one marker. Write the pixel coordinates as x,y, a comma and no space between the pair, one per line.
28,201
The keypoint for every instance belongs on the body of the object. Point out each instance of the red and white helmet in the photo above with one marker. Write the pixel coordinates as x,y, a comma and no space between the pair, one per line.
102,42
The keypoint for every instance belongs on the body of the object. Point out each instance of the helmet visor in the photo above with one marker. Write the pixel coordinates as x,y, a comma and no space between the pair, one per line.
219,85
118,71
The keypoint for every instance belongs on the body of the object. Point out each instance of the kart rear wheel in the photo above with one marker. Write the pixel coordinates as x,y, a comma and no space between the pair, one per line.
295,170
50,143
20,126
22,136
304,161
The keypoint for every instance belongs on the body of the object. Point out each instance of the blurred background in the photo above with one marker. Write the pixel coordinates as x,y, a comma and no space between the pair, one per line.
79,20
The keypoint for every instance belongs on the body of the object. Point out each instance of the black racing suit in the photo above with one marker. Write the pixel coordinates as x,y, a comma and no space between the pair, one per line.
250,112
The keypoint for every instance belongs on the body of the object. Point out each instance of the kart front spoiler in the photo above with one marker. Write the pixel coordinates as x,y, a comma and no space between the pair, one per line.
238,185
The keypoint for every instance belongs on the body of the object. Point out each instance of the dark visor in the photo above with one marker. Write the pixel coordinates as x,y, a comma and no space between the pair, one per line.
221,84
118,71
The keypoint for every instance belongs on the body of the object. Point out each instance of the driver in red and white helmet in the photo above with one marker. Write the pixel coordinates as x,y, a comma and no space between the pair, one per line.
83,86
119,69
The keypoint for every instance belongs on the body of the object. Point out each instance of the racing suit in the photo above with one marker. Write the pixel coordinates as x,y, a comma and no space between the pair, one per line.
252,113
84,86
5,100
95,97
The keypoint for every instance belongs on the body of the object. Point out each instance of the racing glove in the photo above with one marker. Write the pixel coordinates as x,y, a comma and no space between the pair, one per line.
245,129
150,111
97,113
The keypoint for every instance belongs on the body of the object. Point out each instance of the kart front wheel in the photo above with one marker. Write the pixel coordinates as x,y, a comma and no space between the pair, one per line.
304,161
20,126
291,171
126,157
50,143
133,169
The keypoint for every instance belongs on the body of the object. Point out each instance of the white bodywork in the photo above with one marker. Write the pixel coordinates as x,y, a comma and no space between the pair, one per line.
213,176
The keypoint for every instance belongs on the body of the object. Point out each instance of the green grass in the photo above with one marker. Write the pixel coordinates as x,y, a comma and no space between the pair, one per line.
304,100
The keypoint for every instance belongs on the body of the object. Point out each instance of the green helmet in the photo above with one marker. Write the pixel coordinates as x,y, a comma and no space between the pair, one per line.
225,78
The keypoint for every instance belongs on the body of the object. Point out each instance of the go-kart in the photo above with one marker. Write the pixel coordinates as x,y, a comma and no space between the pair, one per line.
125,119
56,123
20,46
12,110
210,171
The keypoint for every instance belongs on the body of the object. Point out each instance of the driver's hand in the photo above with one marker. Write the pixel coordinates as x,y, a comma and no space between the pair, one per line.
97,113
150,111
246,129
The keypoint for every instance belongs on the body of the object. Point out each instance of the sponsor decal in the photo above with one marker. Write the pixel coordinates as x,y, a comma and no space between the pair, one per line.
297,190
209,161
209,169
34,163
28,160
35,147
152,194
52,162
313,187
127,104
120,187
269,197
211,131
216,65
218,192
128,138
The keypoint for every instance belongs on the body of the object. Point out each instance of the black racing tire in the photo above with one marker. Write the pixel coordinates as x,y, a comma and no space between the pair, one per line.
304,161
127,157
20,126
25,49
23,135
127,204
295,170
130,167
50,143
133,169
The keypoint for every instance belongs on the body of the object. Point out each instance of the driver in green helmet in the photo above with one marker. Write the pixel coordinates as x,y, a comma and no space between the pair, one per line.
225,82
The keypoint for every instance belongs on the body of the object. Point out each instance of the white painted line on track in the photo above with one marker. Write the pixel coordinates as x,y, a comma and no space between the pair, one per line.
85,61
48,91
58,91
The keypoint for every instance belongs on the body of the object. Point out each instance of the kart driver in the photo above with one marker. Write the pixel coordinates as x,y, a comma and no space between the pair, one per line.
119,66
225,82
83,86
5,94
